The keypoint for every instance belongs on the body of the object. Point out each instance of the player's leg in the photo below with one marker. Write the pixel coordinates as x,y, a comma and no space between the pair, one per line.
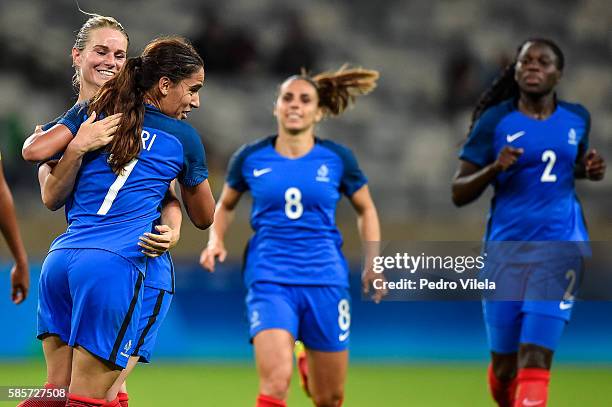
503,326
274,360
327,375
540,337
53,324
155,305
324,329
273,317
107,296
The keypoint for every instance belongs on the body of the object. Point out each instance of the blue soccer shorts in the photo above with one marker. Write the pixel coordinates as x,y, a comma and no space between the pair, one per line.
91,298
155,305
537,303
319,316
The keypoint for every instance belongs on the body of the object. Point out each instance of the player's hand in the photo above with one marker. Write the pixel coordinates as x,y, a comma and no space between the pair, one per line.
507,157
367,283
210,253
93,135
38,129
156,244
594,166
20,283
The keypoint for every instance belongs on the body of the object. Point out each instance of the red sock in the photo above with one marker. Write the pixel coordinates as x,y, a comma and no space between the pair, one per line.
80,401
114,403
502,392
267,401
532,390
123,399
43,402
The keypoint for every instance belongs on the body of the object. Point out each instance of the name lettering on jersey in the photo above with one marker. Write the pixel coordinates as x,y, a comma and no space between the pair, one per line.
322,173
572,138
258,173
512,137
147,140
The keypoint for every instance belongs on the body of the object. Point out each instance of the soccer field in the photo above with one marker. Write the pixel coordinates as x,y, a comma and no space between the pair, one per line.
235,385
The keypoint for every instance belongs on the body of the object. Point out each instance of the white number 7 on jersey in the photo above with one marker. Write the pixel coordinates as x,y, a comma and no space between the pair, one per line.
116,186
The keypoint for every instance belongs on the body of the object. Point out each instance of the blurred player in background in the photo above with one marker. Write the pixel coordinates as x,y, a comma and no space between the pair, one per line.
295,272
20,273
530,146
99,52
112,197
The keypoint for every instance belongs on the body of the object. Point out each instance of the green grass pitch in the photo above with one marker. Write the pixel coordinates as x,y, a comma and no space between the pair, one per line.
368,385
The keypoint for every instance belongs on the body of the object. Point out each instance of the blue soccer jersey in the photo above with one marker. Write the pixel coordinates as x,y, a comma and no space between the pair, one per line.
293,215
109,211
535,198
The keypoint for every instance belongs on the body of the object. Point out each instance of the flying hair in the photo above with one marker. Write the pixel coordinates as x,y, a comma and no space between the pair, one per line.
337,90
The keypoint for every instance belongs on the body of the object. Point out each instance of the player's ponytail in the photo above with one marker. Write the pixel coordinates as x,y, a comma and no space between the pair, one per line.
170,57
123,94
338,89
503,87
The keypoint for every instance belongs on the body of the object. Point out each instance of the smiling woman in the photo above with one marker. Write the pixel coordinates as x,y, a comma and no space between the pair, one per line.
296,180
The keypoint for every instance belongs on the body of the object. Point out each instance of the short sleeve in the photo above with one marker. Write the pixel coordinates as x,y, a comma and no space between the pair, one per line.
478,149
234,177
195,170
74,117
352,176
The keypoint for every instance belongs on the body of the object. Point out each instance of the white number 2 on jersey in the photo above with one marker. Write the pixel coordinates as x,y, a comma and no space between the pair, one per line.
549,157
293,203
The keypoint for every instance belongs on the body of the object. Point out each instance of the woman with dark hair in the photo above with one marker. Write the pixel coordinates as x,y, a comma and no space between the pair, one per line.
530,146
91,282
98,54
294,268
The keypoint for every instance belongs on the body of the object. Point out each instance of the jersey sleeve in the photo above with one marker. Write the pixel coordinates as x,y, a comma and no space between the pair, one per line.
195,170
235,179
478,149
74,117
352,177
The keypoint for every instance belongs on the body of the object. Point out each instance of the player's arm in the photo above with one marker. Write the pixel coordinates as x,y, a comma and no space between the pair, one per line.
199,204
90,136
20,274
368,225
224,216
44,144
169,231
470,180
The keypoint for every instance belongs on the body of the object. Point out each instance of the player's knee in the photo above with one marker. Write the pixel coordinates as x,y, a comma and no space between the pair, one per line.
276,384
534,356
328,399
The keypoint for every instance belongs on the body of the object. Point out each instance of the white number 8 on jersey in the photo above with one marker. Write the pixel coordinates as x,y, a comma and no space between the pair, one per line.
293,203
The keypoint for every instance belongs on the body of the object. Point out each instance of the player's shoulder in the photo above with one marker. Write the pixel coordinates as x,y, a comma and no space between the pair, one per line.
342,151
576,109
253,147
494,114
180,129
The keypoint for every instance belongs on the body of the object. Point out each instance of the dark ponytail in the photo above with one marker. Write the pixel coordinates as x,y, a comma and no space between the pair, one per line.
170,57
123,94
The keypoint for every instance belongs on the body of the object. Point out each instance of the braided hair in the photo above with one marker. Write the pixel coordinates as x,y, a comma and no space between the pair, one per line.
505,86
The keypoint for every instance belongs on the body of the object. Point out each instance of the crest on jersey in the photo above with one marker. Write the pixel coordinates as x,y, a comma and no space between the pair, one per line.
322,174
127,346
572,138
